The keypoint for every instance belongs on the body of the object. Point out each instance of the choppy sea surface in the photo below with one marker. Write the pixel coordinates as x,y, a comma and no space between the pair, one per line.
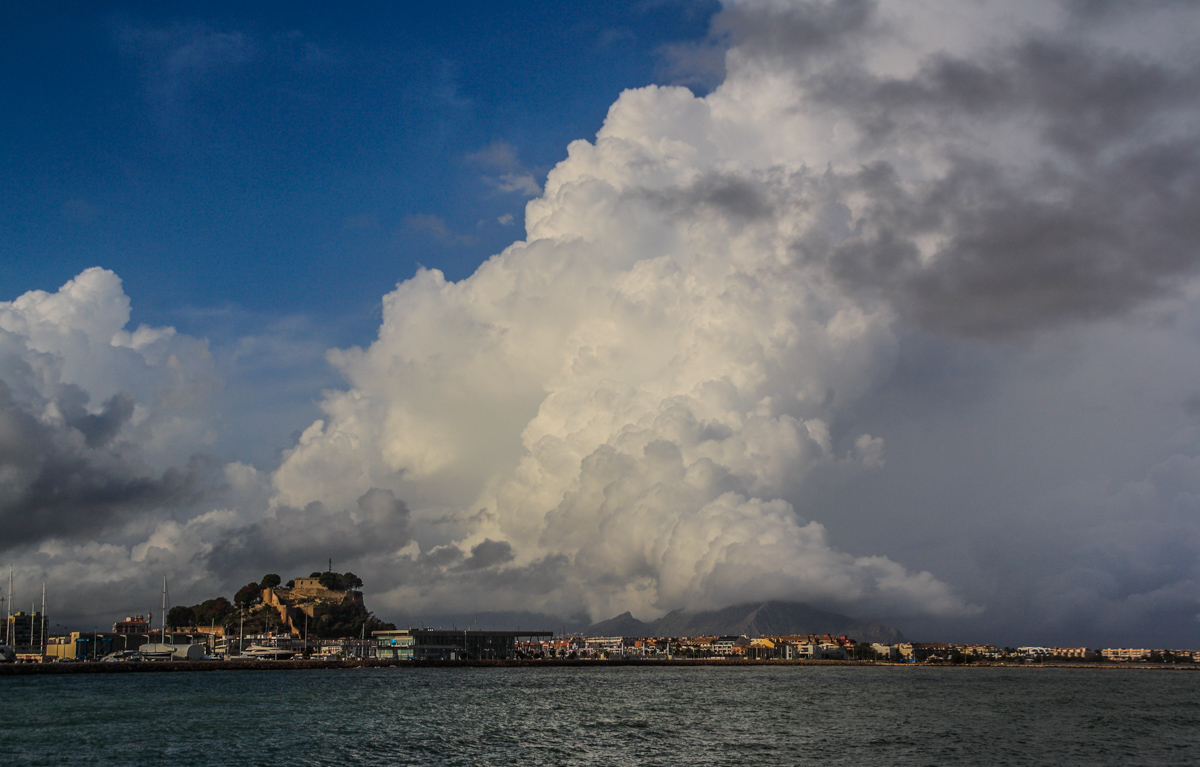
794,715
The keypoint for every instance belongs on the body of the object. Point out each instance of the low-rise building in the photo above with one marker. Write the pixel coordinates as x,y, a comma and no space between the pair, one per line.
1075,653
136,624
821,651
449,644
723,647
922,651
978,650
885,652
88,645
610,646
1125,654
1035,653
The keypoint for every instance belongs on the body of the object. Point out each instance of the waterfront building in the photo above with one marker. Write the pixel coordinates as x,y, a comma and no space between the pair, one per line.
1125,653
136,624
821,651
1036,653
27,632
988,651
1075,653
88,645
922,651
765,648
610,645
886,652
449,644
723,647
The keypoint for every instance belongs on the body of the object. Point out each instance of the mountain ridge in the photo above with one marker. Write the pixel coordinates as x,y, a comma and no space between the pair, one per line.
752,619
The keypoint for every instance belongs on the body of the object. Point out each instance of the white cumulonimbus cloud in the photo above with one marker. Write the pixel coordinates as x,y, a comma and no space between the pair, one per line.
91,413
624,410
632,398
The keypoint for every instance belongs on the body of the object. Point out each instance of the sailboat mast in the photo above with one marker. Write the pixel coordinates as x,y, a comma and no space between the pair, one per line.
164,611
43,635
8,627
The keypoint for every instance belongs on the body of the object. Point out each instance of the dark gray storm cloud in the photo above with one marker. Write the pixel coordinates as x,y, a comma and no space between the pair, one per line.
1115,235
729,195
99,429
67,479
1107,10
488,553
1083,98
301,538
797,32
1093,208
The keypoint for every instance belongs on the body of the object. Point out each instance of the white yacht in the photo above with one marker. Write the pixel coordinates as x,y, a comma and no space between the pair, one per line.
269,653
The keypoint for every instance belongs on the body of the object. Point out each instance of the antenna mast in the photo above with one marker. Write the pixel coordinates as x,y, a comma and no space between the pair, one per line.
164,611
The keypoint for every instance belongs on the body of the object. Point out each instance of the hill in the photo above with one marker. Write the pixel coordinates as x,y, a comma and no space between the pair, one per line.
752,619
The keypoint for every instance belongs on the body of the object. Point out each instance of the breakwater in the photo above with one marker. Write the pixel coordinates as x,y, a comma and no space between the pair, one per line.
95,667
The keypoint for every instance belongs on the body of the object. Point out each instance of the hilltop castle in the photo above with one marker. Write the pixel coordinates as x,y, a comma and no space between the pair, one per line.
306,597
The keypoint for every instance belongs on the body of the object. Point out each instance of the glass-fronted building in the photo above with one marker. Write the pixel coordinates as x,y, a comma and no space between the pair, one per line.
450,644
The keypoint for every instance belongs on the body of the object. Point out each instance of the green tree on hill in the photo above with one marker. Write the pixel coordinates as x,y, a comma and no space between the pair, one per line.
212,611
347,619
180,616
206,613
270,581
248,595
338,581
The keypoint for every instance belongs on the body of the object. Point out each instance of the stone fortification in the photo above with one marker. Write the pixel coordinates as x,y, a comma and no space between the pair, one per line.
306,597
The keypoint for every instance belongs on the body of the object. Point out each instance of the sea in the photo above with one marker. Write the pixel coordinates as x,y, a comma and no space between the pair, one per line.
745,716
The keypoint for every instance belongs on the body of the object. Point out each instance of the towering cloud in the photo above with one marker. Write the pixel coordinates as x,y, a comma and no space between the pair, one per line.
640,390
667,394
80,400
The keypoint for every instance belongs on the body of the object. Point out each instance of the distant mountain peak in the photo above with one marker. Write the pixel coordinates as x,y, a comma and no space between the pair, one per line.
772,617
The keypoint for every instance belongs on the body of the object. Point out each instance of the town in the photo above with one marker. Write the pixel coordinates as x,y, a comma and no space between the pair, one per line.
323,617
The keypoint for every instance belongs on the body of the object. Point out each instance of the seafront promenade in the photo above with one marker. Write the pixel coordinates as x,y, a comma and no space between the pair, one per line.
92,667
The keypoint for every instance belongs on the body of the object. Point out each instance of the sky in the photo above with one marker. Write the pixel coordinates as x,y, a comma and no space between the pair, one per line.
888,307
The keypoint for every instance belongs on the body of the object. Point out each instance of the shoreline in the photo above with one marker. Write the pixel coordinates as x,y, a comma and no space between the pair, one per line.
96,667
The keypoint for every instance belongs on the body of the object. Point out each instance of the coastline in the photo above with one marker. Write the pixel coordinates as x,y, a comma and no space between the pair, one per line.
96,667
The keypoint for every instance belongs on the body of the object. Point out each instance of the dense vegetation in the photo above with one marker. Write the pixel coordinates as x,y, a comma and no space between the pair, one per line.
247,613
208,612
348,619
338,581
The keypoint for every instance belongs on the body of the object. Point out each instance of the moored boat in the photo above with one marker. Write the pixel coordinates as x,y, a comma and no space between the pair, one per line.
269,653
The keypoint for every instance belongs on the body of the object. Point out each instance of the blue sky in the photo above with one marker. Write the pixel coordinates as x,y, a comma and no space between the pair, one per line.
283,158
